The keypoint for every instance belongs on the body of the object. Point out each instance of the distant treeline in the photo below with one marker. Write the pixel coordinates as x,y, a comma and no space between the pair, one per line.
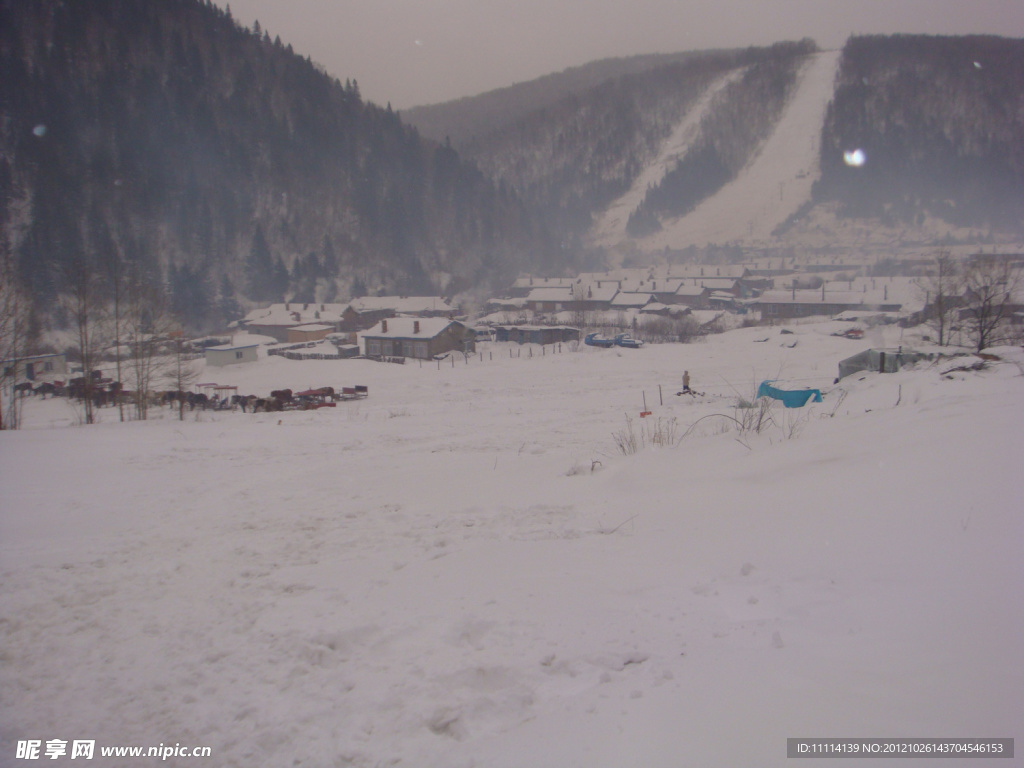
940,121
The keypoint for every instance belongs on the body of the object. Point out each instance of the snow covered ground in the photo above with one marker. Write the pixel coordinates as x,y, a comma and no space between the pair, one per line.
463,570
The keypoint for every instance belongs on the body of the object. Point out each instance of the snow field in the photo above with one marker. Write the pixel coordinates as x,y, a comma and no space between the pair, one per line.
434,576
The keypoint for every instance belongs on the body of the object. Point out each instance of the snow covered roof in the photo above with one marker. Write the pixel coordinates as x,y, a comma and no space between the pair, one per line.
563,293
708,270
295,313
401,304
874,298
629,299
405,327
313,327
716,283
230,347
543,282
604,292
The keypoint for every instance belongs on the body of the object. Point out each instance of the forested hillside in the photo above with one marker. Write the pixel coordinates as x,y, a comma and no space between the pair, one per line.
166,141
940,121
741,117
576,155
465,119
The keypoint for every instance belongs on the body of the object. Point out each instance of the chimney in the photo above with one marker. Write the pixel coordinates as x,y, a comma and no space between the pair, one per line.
415,326
383,326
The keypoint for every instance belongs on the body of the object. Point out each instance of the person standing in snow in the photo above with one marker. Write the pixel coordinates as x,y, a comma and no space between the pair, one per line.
686,382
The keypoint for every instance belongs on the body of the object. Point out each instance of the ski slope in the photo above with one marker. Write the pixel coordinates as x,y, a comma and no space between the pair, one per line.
610,228
775,184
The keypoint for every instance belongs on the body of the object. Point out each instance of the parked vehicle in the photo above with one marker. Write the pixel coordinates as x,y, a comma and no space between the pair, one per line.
597,340
625,340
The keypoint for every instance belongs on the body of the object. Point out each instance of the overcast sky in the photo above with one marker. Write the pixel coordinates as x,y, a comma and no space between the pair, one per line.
412,52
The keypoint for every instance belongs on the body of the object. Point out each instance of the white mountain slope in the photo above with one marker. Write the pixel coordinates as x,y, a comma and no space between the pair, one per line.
610,228
773,185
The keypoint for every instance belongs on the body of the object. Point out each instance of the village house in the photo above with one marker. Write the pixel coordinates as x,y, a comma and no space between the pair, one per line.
365,312
417,338
229,354
550,299
783,305
309,332
694,296
862,294
275,320
32,367
522,286
698,271
628,300
596,295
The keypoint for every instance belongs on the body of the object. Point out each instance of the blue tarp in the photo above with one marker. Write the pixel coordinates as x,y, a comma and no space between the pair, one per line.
796,398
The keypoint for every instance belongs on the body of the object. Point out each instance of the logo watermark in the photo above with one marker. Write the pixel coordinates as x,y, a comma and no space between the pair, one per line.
86,749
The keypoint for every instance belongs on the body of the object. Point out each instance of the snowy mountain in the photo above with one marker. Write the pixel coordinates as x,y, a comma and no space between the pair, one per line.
893,142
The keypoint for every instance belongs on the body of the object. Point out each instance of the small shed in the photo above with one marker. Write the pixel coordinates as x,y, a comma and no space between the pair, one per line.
228,354
309,332
887,360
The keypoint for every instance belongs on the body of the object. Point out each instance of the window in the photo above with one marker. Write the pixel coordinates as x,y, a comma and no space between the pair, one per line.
238,355
47,367
373,347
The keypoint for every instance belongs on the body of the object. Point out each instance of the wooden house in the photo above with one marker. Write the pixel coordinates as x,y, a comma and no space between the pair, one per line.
420,338
309,332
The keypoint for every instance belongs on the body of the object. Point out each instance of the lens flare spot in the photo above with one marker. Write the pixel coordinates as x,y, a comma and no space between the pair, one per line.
855,158
39,130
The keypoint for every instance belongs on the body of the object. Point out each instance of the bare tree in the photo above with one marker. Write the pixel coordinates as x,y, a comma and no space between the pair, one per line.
115,278
14,324
83,305
183,373
580,294
148,329
992,290
942,292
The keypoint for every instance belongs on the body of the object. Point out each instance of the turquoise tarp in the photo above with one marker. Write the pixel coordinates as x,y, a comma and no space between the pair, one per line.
796,398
